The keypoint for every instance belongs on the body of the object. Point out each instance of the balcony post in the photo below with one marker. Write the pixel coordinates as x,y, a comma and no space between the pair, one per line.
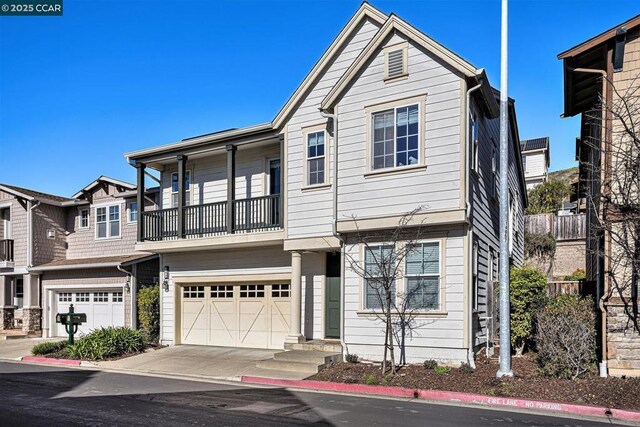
140,199
231,187
283,185
182,178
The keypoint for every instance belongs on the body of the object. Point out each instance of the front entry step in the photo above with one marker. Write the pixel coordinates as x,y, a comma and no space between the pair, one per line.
304,361
316,345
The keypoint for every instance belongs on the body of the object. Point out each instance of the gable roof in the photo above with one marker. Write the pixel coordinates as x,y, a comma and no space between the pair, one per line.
32,195
600,38
393,24
365,11
101,179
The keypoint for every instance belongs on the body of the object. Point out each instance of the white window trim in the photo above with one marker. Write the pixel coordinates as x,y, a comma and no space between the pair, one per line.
404,45
188,191
95,222
401,283
441,287
405,102
327,151
129,203
88,226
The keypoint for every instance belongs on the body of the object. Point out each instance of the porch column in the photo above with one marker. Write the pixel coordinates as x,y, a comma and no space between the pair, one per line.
182,177
295,335
31,310
140,200
6,302
231,187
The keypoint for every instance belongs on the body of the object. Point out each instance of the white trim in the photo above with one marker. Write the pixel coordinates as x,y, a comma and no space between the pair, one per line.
420,101
404,46
128,211
88,226
267,173
108,222
306,131
441,270
188,192
104,179
230,272
83,287
6,224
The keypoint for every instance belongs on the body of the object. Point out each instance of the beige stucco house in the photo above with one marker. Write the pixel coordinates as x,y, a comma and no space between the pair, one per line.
254,225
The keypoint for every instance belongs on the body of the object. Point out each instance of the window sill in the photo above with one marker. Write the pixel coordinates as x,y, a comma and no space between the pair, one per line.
396,78
433,314
315,187
396,170
103,239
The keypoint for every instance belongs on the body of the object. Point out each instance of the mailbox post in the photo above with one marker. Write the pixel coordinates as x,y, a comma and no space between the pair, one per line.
71,321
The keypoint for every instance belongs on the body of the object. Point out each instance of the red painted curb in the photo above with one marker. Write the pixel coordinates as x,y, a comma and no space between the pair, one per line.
450,396
35,359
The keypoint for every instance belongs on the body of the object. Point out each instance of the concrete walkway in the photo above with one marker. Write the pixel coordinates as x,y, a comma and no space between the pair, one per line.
203,362
14,349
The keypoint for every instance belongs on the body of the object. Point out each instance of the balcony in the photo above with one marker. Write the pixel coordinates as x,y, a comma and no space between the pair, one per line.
6,253
251,215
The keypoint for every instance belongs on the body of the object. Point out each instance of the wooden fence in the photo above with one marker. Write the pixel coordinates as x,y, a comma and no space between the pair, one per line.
563,287
568,227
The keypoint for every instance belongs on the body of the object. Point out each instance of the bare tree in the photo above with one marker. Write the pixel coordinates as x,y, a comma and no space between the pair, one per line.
617,174
385,253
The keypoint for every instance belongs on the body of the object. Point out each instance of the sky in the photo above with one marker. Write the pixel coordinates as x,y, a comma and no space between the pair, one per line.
108,77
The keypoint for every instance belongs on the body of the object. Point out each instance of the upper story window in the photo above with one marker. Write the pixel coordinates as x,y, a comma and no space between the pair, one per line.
396,58
316,158
174,189
84,218
473,142
396,137
422,275
512,221
377,259
495,175
108,222
524,163
133,212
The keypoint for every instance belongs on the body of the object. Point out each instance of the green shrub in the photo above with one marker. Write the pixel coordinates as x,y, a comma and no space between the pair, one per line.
579,274
466,368
370,379
149,311
566,337
430,364
351,358
108,342
48,347
528,294
441,370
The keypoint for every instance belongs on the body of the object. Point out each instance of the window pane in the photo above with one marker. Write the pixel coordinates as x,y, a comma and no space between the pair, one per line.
407,131
102,229
101,214
383,139
114,213
423,293
114,228
174,182
133,212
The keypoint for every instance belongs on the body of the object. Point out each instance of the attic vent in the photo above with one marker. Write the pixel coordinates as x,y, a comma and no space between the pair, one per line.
396,63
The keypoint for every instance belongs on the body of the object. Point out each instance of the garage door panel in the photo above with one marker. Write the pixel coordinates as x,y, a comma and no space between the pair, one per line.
224,331
253,324
194,322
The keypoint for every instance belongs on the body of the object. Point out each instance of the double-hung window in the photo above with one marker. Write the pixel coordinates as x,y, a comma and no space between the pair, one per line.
377,264
316,158
108,222
396,137
174,189
422,275
84,218
133,212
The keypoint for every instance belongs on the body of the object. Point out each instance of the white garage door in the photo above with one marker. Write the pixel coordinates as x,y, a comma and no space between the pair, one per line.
252,316
103,308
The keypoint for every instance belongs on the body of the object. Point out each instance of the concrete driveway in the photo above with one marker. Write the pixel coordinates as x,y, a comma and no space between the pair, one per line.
202,362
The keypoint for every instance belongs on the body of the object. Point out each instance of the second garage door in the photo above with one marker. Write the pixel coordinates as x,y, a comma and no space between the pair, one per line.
252,316
103,308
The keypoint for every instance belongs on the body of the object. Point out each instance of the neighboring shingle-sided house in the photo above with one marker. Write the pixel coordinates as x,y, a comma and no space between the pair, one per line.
255,223
598,74
77,250
535,161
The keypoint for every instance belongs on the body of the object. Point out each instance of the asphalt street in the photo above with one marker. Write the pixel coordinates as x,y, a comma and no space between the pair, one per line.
37,395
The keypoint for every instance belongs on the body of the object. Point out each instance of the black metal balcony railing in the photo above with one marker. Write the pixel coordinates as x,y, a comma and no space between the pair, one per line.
250,215
6,250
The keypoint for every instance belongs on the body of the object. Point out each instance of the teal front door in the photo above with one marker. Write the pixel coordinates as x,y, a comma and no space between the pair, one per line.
332,308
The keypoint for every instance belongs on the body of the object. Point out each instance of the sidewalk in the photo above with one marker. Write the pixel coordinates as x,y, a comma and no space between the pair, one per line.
15,349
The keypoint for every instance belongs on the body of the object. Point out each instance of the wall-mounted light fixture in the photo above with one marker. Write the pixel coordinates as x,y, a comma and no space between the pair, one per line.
165,279
127,286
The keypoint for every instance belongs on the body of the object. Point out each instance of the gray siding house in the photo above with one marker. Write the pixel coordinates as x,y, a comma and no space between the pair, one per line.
255,224
59,251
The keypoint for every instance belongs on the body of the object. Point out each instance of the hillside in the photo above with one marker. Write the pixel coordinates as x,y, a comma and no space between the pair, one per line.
569,175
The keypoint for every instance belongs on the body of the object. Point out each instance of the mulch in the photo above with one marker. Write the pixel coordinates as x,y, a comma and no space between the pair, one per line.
527,383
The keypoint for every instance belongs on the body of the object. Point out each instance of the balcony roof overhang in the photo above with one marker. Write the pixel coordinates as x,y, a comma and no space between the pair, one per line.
204,145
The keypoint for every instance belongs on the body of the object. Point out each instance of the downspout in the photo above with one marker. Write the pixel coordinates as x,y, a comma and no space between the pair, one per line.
603,312
132,293
470,355
30,208
334,226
